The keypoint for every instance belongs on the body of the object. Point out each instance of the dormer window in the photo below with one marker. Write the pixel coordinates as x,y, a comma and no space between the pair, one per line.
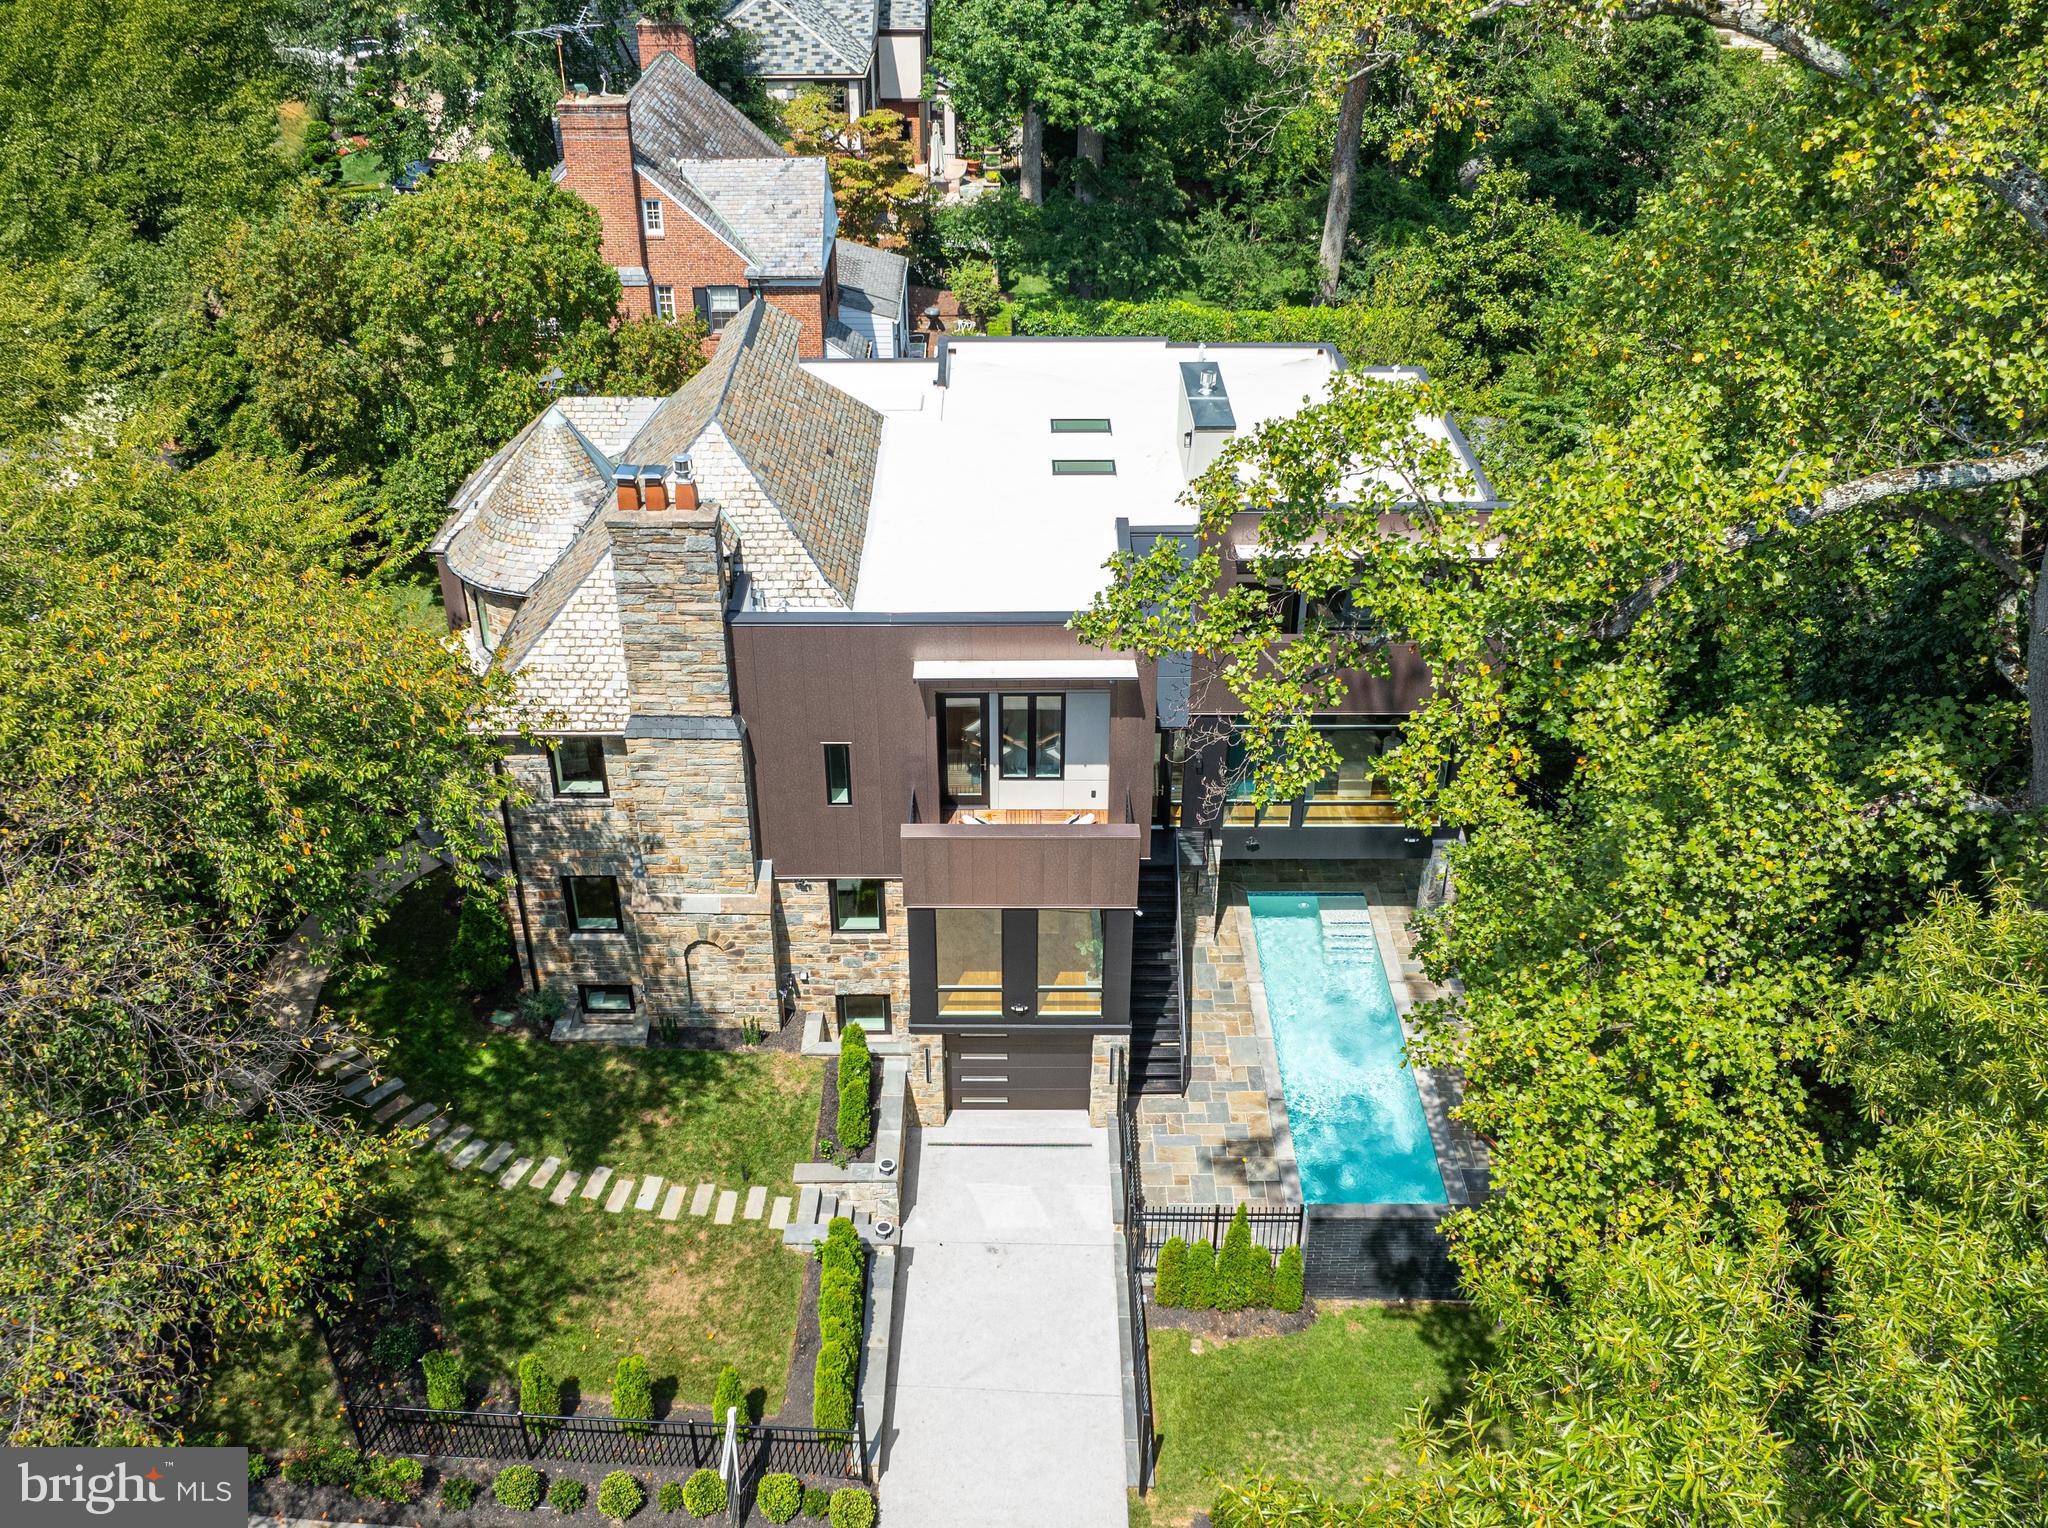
480,615
650,216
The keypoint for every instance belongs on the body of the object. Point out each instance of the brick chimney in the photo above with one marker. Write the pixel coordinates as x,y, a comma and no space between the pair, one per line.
597,164
655,37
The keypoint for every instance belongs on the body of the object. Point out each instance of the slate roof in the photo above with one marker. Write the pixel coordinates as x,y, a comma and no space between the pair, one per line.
810,445
544,487
565,646
777,212
905,15
676,115
809,39
875,279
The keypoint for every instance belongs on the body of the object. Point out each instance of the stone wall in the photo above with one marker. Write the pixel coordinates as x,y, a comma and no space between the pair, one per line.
845,962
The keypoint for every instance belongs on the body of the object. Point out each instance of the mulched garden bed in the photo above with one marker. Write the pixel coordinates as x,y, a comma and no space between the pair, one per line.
828,1121
1229,1325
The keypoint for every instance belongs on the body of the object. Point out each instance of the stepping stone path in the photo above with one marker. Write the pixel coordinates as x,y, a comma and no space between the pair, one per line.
349,1067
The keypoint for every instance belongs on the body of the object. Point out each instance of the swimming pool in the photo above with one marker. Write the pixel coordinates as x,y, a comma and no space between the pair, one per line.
1359,1133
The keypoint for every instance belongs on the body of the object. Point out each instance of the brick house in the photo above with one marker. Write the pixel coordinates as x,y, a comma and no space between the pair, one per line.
814,743
869,53
704,212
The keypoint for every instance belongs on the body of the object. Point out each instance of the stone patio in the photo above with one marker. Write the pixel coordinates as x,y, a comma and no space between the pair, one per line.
1227,1141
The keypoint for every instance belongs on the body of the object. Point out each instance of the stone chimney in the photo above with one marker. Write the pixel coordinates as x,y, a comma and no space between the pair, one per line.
655,37
597,164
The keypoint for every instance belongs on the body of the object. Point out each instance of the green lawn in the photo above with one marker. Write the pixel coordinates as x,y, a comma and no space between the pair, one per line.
272,1387
514,1273
1322,1406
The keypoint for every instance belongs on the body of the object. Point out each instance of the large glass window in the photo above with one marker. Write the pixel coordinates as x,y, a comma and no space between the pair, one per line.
1034,737
1356,794
963,736
1069,964
593,902
578,764
857,907
970,961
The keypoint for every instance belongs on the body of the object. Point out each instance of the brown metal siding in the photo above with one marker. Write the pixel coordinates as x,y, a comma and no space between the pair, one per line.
1022,866
800,686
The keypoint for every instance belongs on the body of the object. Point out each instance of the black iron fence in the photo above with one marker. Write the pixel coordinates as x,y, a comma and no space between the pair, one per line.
1134,1248
1274,1227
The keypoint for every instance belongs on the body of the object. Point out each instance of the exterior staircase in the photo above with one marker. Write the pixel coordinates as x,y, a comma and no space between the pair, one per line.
1156,1061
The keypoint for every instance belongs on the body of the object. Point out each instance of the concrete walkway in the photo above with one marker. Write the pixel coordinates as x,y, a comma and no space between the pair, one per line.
1007,1401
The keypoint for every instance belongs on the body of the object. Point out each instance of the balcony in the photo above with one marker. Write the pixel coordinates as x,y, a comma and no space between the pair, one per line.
979,857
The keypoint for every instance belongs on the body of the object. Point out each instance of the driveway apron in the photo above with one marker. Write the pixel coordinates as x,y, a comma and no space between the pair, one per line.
1007,1403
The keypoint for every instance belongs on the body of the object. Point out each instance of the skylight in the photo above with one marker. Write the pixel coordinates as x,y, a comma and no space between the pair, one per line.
1080,427
1083,466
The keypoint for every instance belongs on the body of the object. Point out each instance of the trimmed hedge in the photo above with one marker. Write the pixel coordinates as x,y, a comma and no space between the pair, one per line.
855,1124
517,1487
445,1390
540,1393
704,1494
1170,1279
1201,1276
852,1508
1288,1280
619,1496
321,1465
837,1371
817,1502
728,1395
567,1494
780,1497
670,1496
632,1392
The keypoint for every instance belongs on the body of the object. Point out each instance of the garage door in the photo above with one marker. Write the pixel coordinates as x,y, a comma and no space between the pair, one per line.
1016,1069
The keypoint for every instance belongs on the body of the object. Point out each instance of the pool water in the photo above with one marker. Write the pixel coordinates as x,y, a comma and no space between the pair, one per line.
1359,1133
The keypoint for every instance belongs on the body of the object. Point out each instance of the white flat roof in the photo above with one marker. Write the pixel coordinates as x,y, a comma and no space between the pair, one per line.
967,514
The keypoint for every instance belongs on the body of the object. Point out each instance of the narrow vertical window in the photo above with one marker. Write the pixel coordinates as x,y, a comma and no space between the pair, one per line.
665,301
650,215
1034,737
839,774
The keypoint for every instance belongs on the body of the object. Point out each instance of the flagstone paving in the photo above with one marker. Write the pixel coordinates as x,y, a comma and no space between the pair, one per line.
621,1192
650,1190
728,1200
757,1200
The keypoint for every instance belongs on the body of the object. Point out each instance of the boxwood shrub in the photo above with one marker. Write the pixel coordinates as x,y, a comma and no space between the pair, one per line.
855,1124
727,1395
396,1347
670,1496
619,1496
852,1508
259,1467
540,1393
323,1464
779,1497
567,1494
817,1502
444,1380
632,1392
704,1494
517,1487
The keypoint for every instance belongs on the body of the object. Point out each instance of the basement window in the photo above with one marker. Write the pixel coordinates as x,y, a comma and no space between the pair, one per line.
1083,466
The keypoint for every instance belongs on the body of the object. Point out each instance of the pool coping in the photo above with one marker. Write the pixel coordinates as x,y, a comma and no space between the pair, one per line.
1450,1165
